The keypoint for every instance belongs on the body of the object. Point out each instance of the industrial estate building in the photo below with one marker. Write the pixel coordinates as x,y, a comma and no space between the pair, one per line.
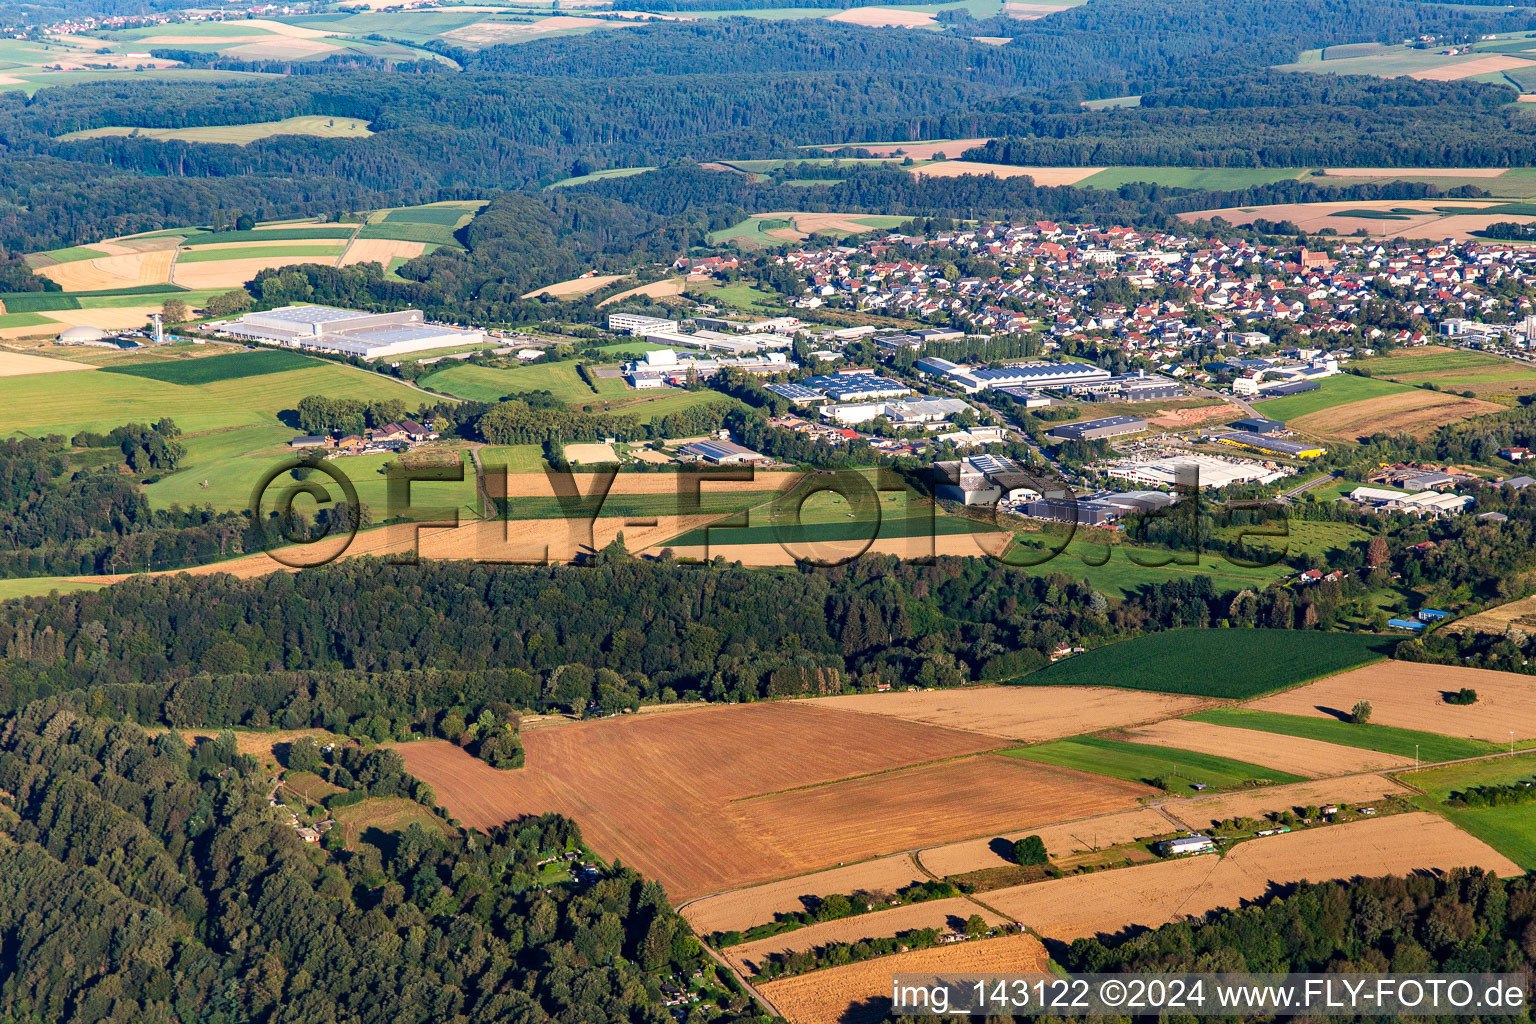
1424,503
348,332
664,367
1269,445
1032,374
1208,471
856,386
635,324
917,411
1097,430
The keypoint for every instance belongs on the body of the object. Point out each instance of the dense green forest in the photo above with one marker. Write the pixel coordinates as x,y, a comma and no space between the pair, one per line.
361,637
143,880
546,109
1462,922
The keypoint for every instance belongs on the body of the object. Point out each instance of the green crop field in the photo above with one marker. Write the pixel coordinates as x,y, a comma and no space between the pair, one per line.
73,254
26,320
1511,830
490,384
1143,762
239,134
207,369
223,467
444,215
44,403
1340,389
42,586
1190,177
197,237
1429,746
613,172
1233,663
1452,369
518,458
214,255
432,234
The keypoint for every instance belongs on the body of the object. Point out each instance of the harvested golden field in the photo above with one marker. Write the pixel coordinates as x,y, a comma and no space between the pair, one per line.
758,904
633,784
122,270
655,290
1029,714
1520,614
1201,812
833,552
1411,696
489,33
17,364
950,149
234,273
1309,758
1415,412
860,993
1040,175
280,49
1061,840
381,250
590,453
929,804
1425,224
522,541
883,17
823,788
1468,68
945,915
1107,902
575,286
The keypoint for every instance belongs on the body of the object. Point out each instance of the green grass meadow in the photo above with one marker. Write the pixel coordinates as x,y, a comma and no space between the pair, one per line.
1236,664
1386,739
1142,762
1511,830
44,403
1340,389
208,369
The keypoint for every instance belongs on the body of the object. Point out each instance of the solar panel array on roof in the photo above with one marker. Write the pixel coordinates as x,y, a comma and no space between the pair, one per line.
794,392
991,464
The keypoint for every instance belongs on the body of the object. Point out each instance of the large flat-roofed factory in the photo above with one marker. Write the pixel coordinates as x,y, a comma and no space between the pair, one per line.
1033,374
348,332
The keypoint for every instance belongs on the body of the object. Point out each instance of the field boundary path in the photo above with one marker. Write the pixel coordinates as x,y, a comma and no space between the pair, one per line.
752,990
341,260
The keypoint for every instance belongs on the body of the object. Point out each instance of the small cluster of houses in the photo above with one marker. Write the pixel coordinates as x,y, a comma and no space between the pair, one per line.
391,437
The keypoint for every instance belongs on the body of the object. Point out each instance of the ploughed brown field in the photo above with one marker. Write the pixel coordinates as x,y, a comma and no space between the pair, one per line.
722,797
945,915
861,993
1108,902
759,903
1411,696
1029,714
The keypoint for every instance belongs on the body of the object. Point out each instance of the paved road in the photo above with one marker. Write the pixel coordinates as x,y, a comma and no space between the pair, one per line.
1315,482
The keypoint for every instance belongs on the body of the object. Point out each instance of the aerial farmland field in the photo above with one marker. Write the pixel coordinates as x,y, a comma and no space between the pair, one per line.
1334,391
240,134
1412,696
793,789
1107,902
1233,664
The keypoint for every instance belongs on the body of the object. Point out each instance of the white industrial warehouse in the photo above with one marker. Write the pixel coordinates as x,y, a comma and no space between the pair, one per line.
348,332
